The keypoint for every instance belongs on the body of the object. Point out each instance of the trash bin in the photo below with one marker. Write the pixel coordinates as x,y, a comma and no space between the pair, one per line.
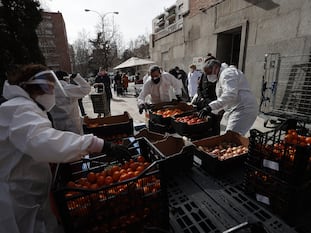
99,100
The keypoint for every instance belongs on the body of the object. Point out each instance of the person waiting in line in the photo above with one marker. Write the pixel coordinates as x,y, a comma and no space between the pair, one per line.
158,88
125,82
65,113
233,96
193,81
28,143
103,79
118,83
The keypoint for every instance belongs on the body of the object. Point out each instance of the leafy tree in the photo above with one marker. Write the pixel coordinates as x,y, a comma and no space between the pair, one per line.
19,42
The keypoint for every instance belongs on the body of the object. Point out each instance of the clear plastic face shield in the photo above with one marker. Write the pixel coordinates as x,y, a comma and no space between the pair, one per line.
47,81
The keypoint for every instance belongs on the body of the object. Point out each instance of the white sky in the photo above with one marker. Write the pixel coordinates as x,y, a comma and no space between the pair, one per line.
134,18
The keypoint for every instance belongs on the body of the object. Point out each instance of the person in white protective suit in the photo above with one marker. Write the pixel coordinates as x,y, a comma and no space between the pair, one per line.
193,80
233,95
66,113
158,88
28,143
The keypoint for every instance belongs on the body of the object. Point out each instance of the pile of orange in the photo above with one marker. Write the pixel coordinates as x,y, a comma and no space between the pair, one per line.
292,137
111,175
168,112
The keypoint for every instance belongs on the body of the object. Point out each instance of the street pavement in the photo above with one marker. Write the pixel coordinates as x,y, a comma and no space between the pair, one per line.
128,103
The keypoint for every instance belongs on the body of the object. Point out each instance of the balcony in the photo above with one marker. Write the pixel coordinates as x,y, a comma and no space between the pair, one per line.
160,33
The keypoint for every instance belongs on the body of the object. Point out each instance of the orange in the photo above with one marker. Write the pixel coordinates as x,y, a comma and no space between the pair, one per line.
116,176
93,186
134,165
71,184
91,177
108,180
140,168
136,173
114,168
100,181
308,140
140,159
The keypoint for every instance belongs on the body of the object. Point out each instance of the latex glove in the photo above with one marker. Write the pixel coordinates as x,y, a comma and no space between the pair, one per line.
116,151
141,108
205,112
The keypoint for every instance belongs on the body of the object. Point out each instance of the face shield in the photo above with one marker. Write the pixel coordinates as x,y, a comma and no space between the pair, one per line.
47,81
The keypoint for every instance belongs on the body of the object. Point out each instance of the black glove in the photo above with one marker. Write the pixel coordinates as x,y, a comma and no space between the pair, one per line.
141,108
119,152
178,97
205,112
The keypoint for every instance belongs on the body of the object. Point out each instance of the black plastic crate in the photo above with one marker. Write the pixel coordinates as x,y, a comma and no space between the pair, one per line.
151,136
119,126
159,128
269,151
194,131
176,154
212,163
286,200
159,119
132,205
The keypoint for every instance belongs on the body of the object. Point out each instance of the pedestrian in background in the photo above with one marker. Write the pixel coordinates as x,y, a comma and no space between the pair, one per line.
65,113
125,82
193,81
103,78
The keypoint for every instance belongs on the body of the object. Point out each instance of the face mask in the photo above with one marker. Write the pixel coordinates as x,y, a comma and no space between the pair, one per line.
156,80
47,101
212,78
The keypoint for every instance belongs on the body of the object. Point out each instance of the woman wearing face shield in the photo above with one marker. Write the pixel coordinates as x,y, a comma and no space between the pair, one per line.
158,87
233,95
28,143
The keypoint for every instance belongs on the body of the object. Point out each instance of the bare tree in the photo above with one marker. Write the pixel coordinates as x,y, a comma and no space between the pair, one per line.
105,45
81,54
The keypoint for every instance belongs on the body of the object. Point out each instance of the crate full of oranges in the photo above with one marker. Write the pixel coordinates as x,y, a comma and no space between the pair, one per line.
284,152
96,195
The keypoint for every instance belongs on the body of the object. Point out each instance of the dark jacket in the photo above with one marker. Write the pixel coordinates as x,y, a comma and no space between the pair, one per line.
107,84
206,92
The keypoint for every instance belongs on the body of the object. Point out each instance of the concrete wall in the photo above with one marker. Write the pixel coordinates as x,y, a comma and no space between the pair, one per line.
278,26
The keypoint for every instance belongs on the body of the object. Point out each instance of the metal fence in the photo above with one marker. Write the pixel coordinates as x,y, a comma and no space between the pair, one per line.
286,86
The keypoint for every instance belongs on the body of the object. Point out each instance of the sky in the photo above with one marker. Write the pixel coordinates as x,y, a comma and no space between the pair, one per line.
134,18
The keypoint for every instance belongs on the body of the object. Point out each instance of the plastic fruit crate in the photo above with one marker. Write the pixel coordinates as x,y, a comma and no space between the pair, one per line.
289,162
119,125
159,119
151,136
210,162
177,154
194,131
131,205
282,198
158,128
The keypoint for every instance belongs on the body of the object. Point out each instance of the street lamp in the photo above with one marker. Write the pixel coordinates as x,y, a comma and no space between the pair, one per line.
102,18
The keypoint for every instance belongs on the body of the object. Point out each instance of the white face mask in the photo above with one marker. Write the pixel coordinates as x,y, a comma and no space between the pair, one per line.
47,101
212,78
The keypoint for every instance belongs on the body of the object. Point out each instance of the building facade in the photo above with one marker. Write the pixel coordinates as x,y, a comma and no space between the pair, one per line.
53,41
238,32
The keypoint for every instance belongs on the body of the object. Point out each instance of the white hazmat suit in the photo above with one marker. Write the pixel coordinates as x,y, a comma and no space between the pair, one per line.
27,144
160,92
235,97
193,81
66,113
